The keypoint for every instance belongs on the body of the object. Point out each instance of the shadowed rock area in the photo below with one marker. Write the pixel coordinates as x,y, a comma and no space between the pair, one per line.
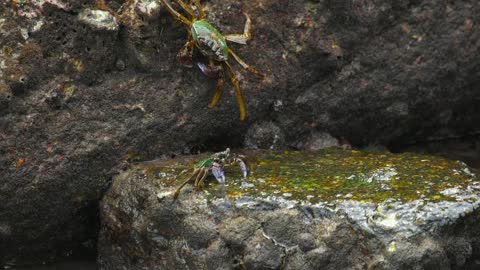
83,93
296,210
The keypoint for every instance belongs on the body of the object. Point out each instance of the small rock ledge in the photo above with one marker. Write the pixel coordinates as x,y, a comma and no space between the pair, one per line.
246,224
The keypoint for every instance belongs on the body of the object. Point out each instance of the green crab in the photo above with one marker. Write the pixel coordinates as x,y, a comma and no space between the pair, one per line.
213,45
214,165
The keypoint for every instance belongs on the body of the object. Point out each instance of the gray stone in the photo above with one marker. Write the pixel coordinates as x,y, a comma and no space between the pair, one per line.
262,253
306,241
265,135
319,257
237,231
428,254
202,231
99,19
320,140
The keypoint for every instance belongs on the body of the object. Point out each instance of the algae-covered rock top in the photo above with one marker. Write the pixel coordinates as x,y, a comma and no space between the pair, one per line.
330,175
395,195
295,210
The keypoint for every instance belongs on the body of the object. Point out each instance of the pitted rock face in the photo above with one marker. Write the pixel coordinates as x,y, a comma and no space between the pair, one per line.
299,208
77,100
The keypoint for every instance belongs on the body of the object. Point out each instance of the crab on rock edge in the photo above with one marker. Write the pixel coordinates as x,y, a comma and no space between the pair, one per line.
214,165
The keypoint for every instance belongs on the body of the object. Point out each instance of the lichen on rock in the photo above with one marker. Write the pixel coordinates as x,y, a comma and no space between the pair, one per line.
296,208
335,174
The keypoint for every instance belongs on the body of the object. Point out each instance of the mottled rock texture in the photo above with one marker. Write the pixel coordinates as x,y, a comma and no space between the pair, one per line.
78,98
244,228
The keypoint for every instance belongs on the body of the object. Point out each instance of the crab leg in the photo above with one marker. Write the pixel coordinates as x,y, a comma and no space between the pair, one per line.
199,176
185,54
243,167
177,192
212,70
242,38
126,4
100,4
245,65
218,91
187,8
200,183
218,172
236,84
176,15
201,12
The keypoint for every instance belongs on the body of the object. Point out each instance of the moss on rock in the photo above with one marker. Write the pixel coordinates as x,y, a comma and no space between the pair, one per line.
329,175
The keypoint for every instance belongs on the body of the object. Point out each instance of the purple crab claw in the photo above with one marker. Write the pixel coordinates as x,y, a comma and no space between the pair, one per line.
243,167
218,172
211,72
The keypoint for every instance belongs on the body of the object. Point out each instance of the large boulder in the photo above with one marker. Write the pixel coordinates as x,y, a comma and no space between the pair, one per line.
333,209
82,91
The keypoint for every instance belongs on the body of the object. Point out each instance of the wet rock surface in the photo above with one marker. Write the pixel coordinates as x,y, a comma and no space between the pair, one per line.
295,211
83,92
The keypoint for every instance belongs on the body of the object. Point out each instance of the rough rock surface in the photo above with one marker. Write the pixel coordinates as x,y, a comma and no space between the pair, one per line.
288,214
82,91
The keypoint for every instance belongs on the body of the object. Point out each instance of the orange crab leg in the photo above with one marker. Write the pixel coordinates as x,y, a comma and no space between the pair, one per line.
236,84
200,182
177,192
218,92
245,65
218,89
100,4
201,11
185,54
176,15
187,8
242,38
200,175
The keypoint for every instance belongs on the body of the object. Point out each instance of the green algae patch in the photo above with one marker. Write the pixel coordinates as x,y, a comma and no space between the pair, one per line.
327,175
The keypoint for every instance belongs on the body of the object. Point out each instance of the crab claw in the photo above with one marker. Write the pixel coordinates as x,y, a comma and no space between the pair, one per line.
218,172
209,71
243,167
184,57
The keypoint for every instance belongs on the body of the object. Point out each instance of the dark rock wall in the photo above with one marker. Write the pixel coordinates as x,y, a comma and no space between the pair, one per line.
78,101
